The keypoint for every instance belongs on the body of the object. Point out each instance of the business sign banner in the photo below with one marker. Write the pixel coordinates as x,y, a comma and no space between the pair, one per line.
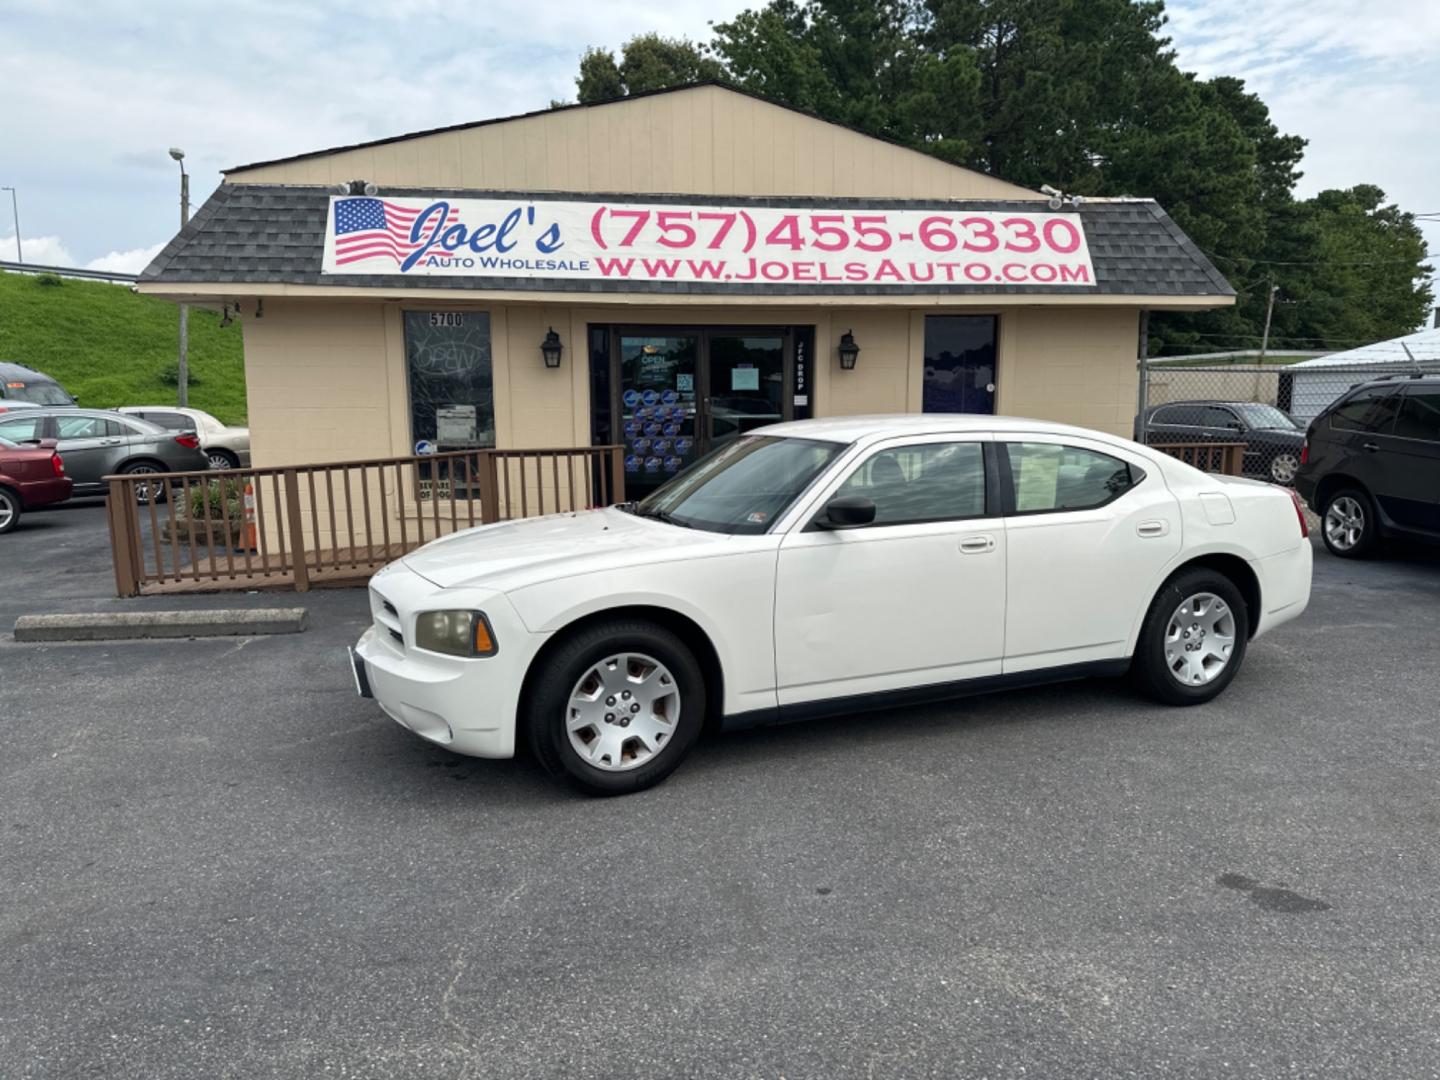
751,245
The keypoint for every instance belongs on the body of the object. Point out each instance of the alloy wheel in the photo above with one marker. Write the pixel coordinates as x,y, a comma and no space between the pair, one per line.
1199,639
1283,468
1344,523
7,511
220,461
144,492
622,712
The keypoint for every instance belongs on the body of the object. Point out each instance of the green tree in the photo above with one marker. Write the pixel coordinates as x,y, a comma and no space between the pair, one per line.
647,62
1084,95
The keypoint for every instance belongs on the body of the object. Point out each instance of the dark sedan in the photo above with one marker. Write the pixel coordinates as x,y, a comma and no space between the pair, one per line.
30,476
96,443
1272,438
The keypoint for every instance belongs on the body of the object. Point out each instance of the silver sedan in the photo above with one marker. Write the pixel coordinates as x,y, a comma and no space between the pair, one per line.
96,443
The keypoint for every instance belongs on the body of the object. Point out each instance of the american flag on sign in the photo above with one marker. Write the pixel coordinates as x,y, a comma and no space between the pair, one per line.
367,228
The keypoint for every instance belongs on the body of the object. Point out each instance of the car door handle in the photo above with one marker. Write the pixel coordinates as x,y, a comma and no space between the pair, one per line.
976,545
1370,447
1149,529
111,442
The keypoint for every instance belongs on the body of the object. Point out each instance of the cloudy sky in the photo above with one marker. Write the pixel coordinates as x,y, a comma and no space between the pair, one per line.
96,90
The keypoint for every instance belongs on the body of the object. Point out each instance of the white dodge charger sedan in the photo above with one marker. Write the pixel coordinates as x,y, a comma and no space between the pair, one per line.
825,566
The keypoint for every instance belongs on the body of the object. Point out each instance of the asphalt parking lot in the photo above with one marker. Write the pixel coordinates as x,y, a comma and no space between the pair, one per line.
217,862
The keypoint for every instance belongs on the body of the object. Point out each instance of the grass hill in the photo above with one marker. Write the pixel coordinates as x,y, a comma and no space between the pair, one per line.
109,346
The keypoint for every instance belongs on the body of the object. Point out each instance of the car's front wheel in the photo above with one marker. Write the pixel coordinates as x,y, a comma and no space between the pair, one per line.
1347,523
1193,640
615,706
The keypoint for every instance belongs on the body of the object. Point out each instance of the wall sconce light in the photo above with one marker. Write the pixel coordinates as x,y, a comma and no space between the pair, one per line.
259,308
849,351
551,349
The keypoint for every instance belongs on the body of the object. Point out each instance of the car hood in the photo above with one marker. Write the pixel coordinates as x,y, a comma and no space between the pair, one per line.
513,554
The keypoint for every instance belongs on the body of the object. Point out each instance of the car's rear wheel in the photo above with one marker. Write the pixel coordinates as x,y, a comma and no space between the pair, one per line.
1283,467
615,706
147,491
1347,524
9,510
1194,637
222,459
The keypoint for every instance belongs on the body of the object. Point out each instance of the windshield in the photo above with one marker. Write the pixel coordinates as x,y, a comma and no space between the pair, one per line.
41,393
743,486
1267,416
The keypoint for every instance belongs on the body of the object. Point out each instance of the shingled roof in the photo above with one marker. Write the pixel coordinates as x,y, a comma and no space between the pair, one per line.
250,234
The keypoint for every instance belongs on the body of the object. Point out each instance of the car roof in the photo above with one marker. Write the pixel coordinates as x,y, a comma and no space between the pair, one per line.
9,369
71,410
848,429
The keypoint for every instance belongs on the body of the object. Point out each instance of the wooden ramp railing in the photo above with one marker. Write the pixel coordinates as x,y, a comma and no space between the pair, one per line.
1227,458
334,524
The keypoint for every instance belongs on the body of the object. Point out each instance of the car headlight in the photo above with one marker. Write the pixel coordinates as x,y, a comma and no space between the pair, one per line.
455,633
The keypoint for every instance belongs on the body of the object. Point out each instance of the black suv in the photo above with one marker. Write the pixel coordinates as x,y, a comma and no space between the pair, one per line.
1272,438
1371,465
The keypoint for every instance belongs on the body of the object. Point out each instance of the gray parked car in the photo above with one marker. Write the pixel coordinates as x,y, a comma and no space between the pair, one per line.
96,443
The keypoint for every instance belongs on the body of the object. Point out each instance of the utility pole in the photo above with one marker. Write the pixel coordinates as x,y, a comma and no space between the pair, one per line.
183,363
1269,310
15,208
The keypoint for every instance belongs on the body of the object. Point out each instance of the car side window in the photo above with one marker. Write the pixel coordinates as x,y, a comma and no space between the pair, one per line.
923,482
82,427
20,428
1419,416
1371,409
170,421
1049,477
1218,417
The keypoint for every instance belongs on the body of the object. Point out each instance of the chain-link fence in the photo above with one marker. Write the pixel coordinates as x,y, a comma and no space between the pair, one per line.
1263,407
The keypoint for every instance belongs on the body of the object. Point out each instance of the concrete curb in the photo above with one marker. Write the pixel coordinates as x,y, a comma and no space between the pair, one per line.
135,625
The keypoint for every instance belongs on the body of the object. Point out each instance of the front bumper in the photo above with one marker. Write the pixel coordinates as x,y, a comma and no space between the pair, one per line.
466,704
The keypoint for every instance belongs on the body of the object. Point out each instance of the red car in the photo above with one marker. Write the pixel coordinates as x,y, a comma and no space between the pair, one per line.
30,476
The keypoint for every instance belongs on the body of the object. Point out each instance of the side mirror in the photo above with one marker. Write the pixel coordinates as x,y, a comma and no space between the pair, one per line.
847,512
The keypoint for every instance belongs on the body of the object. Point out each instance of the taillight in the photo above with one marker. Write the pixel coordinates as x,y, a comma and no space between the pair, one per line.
1305,452
58,464
190,442
1300,513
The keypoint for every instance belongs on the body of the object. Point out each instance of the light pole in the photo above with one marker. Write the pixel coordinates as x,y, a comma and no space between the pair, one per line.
15,208
183,364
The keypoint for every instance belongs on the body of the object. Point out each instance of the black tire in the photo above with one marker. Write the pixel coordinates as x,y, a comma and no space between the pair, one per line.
215,457
1337,541
9,510
560,670
1151,669
160,486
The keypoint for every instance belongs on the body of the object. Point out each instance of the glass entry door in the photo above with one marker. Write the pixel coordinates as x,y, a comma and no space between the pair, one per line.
659,404
680,392
747,384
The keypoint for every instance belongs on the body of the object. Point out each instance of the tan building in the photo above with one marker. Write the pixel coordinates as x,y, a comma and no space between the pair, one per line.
705,261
